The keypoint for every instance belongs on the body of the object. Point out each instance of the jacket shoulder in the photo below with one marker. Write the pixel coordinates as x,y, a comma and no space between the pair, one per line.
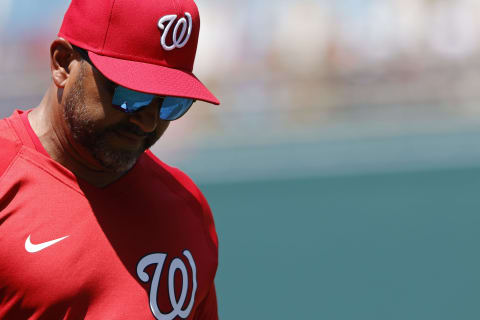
6,130
9,146
187,184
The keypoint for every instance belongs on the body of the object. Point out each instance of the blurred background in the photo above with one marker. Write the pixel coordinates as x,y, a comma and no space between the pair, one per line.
343,165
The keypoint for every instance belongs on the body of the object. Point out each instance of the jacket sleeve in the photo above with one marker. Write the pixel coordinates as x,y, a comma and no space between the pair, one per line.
207,310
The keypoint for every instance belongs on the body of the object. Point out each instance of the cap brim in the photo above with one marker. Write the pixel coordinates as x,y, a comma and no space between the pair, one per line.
152,78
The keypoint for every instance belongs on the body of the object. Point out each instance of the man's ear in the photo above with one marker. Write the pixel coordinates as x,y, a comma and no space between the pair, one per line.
61,57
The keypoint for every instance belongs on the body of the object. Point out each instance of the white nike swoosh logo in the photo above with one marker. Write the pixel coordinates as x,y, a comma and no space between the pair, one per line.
30,247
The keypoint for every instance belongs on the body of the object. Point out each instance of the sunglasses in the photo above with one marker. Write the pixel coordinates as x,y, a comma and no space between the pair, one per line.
131,101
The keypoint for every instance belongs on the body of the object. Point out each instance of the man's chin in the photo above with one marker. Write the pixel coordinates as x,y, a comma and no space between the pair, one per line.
114,153
117,161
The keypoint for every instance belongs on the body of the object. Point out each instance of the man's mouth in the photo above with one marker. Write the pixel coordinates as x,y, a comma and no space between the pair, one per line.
132,134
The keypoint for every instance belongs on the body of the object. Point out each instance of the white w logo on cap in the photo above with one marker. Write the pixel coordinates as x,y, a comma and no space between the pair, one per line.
179,41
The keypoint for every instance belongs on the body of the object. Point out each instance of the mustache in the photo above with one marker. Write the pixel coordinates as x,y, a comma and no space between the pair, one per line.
133,129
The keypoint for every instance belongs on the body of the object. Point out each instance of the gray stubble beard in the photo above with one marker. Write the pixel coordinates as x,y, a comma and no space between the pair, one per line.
85,133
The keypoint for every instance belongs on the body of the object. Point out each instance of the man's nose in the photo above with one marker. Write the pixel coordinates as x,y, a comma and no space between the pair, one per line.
147,118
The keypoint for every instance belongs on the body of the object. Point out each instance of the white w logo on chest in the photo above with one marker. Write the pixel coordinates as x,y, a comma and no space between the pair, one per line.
176,264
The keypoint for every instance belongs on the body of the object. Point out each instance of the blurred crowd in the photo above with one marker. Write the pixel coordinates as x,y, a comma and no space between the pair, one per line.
285,68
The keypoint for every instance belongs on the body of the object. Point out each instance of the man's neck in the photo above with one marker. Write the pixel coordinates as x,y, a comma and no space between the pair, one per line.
46,124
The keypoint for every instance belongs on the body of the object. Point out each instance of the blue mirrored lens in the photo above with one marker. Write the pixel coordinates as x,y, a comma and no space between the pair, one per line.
129,100
173,107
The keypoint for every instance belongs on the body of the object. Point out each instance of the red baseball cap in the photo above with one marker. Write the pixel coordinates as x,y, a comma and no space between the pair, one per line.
146,45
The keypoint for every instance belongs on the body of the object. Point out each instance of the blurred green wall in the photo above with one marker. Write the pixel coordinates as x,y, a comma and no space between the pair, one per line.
384,246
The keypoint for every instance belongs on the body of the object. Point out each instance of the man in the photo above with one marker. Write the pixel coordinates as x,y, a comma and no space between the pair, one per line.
93,226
